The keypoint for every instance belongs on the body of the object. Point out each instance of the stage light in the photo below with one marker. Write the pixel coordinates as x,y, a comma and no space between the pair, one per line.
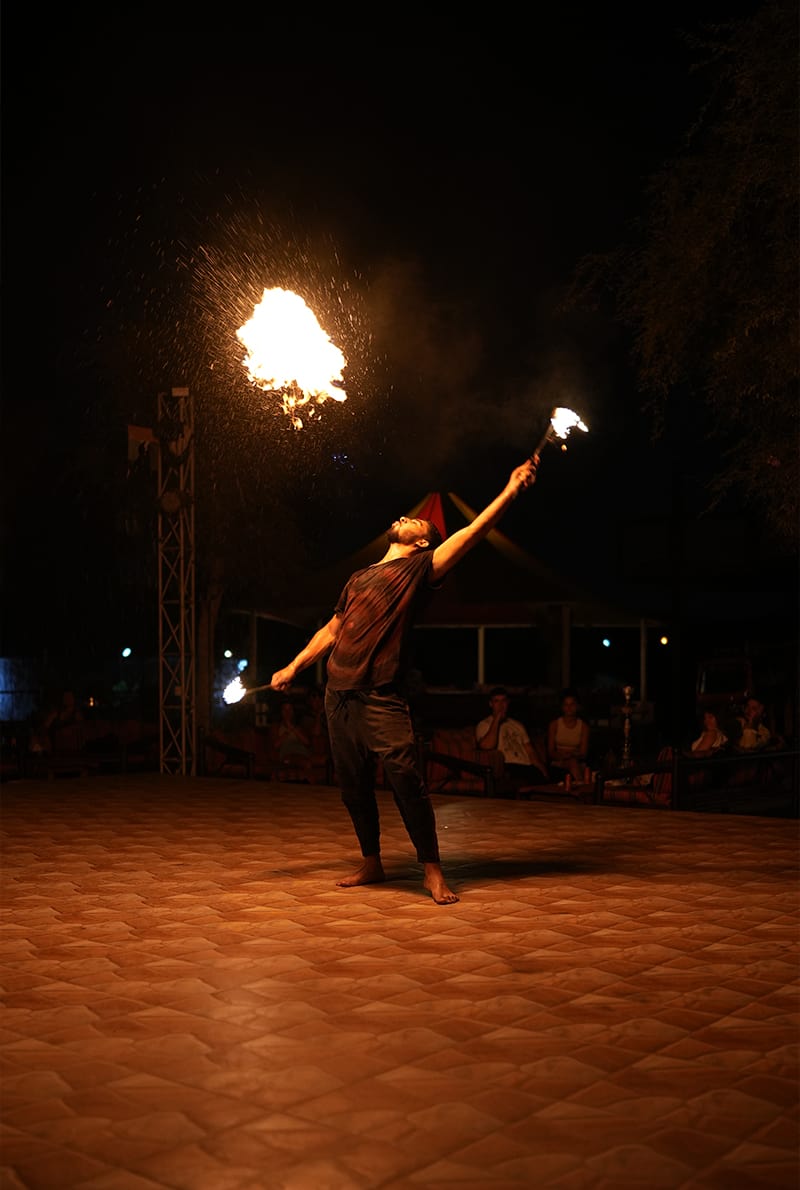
606,643
227,654
126,652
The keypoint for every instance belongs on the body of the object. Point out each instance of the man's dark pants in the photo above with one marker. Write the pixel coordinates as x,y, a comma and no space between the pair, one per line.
369,725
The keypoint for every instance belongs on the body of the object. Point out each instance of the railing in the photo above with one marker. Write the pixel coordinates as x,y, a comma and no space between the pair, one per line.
754,782
763,782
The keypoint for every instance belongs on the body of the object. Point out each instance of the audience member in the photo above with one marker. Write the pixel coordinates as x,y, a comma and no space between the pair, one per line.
39,741
753,731
523,764
293,745
315,725
66,714
711,738
754,737
63,724
568,741
313,721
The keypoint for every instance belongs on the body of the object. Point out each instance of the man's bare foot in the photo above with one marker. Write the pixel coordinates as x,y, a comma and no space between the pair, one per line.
370,872
434,882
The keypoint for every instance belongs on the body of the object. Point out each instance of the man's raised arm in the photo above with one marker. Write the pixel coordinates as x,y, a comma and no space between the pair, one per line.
459,543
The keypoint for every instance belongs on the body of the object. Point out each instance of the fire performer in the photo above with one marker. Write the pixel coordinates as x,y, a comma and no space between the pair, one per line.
366,706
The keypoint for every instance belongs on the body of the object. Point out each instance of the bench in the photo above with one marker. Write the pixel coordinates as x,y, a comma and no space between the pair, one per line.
453,763
94,746
255,752
233,760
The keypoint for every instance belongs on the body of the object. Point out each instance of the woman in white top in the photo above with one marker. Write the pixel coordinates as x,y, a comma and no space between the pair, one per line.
568,740
712,738
708,743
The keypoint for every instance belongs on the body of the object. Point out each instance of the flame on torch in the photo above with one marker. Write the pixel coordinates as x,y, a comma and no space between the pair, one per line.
235,690
561,422
288,352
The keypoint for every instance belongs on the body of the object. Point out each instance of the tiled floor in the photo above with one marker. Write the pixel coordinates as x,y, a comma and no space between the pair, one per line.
191,1003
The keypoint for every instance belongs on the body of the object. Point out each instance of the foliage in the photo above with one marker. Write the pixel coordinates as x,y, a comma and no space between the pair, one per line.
708,284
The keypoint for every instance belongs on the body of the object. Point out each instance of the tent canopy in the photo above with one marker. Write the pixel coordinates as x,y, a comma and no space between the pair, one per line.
498,583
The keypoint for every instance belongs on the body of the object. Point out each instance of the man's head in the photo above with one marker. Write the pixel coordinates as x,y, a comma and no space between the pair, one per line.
421,534
499,700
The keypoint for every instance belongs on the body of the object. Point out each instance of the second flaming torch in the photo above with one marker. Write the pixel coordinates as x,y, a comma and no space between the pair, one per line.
561,422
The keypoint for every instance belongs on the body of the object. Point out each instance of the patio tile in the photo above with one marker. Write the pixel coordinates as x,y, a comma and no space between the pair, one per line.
190,1002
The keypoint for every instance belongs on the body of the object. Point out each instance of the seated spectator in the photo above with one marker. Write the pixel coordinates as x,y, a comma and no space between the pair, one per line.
39,741
293,745
753,736
523,765
568,742
711,738
752,730
314,724
63,723
66,714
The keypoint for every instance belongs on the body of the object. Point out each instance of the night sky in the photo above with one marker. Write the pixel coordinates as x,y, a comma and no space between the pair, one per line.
430,195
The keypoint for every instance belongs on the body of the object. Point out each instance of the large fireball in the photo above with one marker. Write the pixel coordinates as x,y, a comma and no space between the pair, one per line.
288,352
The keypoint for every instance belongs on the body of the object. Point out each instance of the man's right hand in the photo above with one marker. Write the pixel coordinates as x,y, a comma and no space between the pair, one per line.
525,475
283,678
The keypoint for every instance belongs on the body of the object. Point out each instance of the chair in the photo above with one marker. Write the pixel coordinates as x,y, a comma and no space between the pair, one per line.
233,760
454,764
67,756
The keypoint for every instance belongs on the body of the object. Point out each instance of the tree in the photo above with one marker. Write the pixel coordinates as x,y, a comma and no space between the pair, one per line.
708,284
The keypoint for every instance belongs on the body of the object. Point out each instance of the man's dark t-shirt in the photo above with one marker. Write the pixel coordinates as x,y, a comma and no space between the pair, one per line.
377,609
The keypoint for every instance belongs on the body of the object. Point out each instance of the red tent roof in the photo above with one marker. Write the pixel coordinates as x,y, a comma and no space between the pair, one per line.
431,510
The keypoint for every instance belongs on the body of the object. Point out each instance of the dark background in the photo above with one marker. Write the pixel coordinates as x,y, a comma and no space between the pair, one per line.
431,195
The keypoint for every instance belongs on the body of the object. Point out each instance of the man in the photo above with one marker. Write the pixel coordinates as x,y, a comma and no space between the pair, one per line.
367,709
497,732
753,731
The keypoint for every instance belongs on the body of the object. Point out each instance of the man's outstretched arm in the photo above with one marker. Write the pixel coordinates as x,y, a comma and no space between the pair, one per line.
321,643
459,543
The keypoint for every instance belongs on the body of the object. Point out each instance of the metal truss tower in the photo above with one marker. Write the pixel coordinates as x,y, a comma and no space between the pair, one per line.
176,584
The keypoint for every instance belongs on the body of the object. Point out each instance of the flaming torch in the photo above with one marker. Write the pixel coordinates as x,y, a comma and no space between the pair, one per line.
561,422
289,353
235,691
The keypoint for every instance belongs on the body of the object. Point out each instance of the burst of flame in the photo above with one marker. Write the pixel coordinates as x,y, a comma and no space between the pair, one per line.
564,420
289,353
234,691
